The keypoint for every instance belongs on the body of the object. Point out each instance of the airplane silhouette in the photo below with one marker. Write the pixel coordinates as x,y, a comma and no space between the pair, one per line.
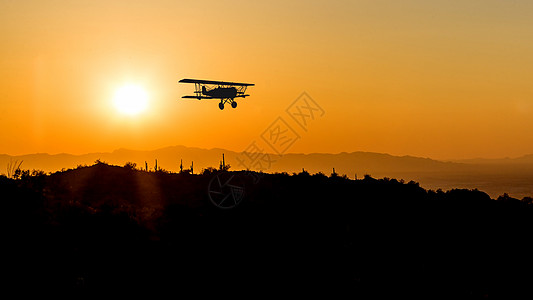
223,90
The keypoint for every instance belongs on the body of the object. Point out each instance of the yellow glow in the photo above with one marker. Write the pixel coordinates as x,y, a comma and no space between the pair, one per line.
440,79
131,100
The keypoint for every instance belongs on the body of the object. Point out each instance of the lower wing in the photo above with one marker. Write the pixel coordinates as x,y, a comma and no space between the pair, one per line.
197,97
208,97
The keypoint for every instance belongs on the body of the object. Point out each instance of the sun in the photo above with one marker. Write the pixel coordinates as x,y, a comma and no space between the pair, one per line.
131,100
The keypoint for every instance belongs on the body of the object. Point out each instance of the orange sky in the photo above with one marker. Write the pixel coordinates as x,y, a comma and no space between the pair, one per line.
440,79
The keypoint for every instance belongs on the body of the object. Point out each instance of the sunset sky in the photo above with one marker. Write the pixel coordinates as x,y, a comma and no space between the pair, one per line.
443,79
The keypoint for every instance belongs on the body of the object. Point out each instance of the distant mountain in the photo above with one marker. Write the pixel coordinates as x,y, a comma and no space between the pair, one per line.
169,158
526,159
361,163
495,177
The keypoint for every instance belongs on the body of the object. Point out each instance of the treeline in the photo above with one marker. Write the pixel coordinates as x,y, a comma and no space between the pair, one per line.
92,229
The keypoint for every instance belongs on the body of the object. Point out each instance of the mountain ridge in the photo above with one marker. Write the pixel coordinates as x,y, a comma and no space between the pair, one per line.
495,177
122,155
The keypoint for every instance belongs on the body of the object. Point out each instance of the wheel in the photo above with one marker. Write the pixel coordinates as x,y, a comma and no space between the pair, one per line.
221,106
233,104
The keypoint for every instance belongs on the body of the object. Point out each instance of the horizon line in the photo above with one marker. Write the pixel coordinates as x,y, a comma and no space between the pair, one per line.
289,153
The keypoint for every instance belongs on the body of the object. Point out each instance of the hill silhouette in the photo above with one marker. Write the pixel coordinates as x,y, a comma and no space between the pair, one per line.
170,157
93,229
495,177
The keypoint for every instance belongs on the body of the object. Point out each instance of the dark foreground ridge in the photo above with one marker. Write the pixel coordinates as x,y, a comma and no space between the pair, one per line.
105,228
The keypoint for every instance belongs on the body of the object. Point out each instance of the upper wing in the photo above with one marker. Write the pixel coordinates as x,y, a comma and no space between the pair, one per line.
186,80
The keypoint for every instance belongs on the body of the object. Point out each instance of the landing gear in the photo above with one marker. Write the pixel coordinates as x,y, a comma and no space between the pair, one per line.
221,106
234,104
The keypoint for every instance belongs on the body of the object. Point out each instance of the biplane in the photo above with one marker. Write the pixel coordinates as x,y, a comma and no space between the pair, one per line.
223,90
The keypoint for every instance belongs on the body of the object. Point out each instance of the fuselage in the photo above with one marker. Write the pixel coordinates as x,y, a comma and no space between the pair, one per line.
220,92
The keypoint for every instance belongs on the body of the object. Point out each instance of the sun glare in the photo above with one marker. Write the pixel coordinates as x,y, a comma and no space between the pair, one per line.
131,100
